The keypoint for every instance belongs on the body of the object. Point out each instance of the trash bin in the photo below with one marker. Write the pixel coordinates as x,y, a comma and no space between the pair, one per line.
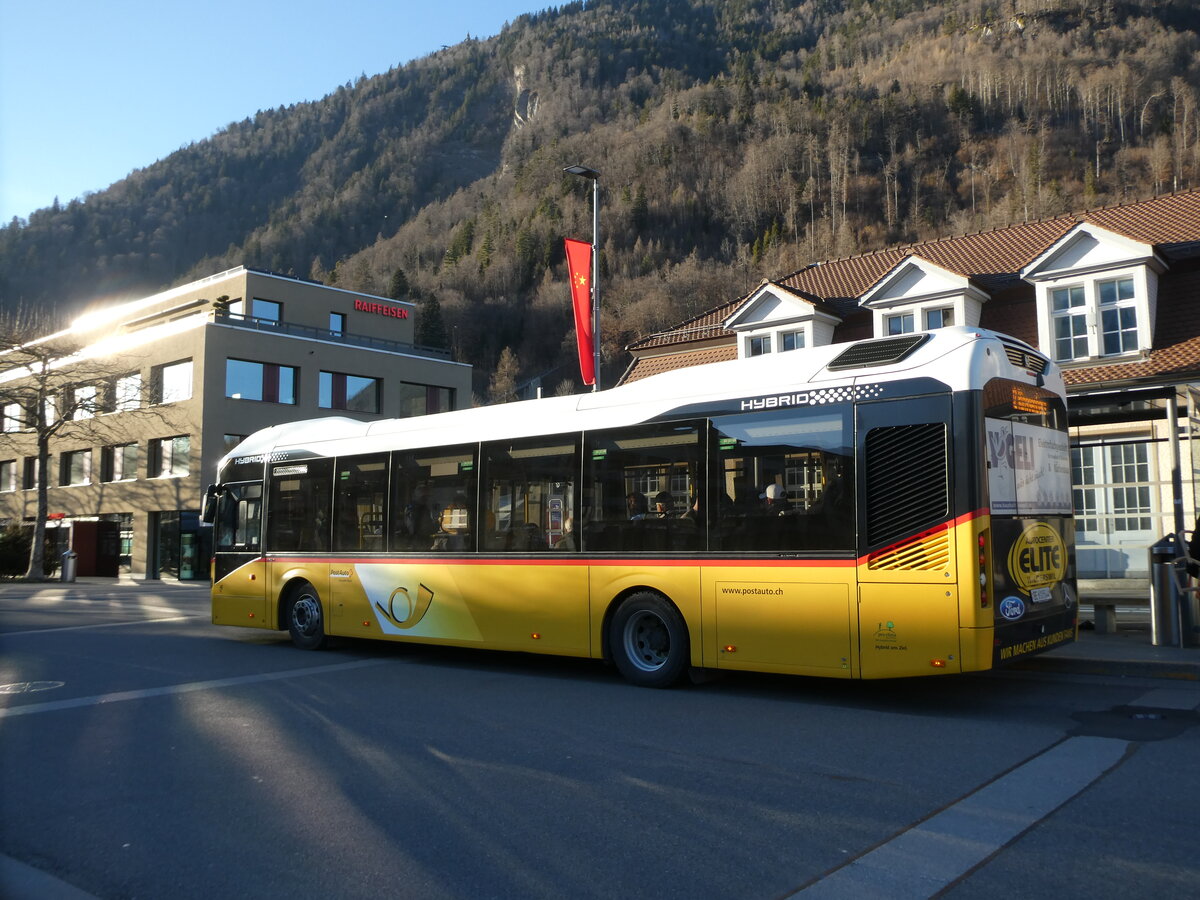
70,560
1164,594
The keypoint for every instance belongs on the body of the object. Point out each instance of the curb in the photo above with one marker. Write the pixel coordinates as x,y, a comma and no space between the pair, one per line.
1176,670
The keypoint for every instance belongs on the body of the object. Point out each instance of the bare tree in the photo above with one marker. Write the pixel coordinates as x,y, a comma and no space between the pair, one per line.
51,388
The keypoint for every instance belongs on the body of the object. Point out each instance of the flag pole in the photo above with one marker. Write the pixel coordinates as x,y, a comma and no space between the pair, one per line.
596,279
594,177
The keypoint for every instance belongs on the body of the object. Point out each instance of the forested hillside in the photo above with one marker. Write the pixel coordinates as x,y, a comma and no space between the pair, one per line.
737,139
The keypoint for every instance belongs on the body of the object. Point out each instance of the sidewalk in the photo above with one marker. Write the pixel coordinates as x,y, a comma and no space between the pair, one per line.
1126,652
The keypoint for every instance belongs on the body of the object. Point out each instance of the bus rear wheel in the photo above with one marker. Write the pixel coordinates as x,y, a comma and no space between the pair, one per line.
306,618
649,641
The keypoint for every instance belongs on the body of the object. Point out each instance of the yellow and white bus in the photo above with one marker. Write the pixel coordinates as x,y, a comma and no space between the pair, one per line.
891,507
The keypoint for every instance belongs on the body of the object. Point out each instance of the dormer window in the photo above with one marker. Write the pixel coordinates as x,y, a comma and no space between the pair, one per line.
1096,294
791,340
919,295
940,317
1070,322
758,345
1118,316
775,319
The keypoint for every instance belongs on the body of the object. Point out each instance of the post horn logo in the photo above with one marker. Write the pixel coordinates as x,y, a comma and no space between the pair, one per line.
410,612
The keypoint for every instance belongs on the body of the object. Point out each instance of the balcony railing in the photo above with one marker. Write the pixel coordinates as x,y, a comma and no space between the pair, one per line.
221,317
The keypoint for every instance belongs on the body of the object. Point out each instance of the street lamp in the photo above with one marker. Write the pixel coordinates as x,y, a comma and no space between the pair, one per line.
594,176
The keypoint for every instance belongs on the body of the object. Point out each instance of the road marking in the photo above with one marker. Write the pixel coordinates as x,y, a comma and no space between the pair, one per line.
121,696
102,625
20,880
927,858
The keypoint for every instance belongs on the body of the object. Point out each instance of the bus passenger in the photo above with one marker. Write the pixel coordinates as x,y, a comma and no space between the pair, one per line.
663,503
776,497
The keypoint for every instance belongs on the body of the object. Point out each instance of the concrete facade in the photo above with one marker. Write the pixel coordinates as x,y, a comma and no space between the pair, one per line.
214,360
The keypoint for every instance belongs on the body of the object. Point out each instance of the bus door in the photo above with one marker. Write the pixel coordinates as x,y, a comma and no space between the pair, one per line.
239,583
908,592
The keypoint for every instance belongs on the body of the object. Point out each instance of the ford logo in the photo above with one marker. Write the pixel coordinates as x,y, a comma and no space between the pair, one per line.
1012,607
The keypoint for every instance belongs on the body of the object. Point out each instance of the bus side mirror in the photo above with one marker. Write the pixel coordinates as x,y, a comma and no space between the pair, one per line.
209,513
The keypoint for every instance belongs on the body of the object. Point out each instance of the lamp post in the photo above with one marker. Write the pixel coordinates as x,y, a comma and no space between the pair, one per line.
594,176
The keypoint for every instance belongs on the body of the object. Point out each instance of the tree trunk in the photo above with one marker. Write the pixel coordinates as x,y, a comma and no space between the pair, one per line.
37,549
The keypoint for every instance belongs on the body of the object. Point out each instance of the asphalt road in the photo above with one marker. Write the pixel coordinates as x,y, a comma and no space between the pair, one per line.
146,753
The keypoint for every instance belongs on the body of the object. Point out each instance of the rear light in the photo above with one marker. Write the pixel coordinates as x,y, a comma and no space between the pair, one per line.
985,596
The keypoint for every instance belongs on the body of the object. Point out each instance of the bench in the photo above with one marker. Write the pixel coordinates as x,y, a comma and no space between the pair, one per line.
1104,595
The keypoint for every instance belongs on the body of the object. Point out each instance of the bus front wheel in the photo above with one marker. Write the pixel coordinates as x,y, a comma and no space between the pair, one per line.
305,618
649,641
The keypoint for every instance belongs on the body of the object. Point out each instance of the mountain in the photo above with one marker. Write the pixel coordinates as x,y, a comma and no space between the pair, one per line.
737,139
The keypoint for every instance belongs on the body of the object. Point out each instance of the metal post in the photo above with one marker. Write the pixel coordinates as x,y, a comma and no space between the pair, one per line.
1176,463
596,280
1164,596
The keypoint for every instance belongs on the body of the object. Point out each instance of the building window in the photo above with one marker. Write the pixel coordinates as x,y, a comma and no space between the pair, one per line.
355,393
268,310
29,476
758,346
424,399
1096,318
8,475
1069,317
172,383
791,340
10,418
127,392
938,318
83,401
169,456
119,462
901,323
1114,508
76,467
232,440
337,323
1118,316
268,382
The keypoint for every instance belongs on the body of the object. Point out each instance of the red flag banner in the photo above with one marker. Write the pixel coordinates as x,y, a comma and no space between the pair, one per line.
579,264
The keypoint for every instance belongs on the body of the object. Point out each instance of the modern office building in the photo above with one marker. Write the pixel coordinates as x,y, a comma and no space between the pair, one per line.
1112,295
175,380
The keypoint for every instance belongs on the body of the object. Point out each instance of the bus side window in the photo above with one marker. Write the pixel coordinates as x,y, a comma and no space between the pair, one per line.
360,489
528,496
239,517
300,506
433,499
784,480
642,481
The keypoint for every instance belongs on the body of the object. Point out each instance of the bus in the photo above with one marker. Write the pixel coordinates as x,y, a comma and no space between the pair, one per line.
884,508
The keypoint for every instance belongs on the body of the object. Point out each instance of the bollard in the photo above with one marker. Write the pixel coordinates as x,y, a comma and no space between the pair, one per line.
1164,595
70,560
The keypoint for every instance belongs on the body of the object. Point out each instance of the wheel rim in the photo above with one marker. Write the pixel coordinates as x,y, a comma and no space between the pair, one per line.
306,615
647,641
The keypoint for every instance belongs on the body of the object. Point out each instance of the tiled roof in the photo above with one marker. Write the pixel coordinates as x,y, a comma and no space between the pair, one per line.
644,367
993,260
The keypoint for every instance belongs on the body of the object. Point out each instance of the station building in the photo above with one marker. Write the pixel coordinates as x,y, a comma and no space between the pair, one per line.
175,380
1112,295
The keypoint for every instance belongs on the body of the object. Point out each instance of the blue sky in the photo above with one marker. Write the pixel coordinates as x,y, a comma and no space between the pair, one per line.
91,91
